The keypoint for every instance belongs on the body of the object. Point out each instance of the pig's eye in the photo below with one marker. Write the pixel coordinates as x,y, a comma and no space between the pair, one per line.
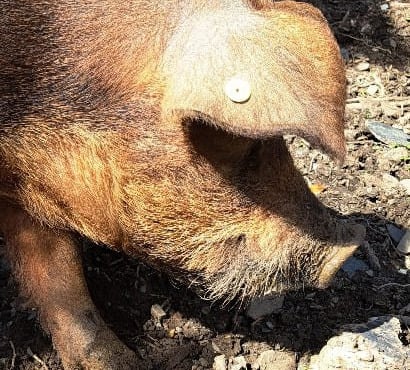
238,90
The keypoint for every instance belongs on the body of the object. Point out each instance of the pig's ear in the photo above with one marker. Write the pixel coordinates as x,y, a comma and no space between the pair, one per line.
259,74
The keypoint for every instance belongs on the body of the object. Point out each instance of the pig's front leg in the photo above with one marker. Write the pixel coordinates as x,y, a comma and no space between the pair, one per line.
48,267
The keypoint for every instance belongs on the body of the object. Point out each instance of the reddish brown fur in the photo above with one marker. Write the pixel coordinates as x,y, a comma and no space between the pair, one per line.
109,132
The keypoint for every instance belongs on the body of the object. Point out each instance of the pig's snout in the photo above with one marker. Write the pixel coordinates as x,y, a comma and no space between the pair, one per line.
270,263
282,67
339,254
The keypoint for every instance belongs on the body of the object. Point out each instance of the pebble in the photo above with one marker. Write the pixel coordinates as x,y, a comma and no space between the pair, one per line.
238,363
396,154
352,265
157,312
405,183
362,66
274,360
389,182
350,135
384,7
269,325
372,90
264,306
407,262
387,134
219,363
404,244
395,233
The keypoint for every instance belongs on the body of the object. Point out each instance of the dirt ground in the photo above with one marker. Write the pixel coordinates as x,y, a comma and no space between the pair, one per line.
366,188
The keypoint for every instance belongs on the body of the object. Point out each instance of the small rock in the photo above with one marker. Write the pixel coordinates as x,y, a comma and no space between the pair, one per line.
274,360
372,90
264,306
157,312
405,183
362,66
352,265
238,363
404,244
407,262
396,154
384,7
395,233
269,325
219,363
255,366
387,134
389,182
350,135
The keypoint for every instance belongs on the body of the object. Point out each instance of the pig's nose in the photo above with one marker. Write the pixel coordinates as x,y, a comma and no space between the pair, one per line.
354,236
238,90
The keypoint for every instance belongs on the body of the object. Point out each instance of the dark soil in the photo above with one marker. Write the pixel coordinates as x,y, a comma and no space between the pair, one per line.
365,187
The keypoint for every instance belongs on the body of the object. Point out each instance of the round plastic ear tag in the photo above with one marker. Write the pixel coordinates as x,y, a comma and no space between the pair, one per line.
238,90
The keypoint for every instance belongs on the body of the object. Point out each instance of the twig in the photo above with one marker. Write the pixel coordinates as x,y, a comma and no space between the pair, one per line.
13,359
363,41
393,284
402,100
38,359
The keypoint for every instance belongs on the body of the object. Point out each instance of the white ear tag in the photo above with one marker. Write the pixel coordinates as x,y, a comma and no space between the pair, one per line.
237,90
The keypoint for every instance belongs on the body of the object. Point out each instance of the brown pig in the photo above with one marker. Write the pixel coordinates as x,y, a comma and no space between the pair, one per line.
155,128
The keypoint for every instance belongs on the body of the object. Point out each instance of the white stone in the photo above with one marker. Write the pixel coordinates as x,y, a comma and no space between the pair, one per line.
157,312
389,181
372,90
219,363
362,66
396,154
405,183
238,90
276,360
238,363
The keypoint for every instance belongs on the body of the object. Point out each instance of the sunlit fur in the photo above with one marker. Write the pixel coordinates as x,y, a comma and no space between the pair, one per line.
114,127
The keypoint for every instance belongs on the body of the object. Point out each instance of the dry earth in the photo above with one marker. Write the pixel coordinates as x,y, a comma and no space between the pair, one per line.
375,41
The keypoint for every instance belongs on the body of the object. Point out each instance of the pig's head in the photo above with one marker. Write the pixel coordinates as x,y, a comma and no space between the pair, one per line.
238,215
